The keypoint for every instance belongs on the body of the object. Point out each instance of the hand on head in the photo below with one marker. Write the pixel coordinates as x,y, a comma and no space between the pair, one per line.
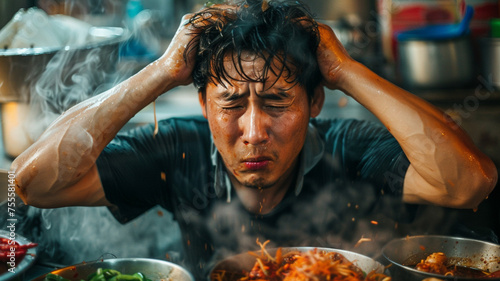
179,58
332,56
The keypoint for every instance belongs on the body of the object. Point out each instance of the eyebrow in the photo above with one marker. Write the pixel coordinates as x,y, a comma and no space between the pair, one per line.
281,94
231,96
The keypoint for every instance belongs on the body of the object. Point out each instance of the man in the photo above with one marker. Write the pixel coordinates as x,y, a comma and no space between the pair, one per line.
258,165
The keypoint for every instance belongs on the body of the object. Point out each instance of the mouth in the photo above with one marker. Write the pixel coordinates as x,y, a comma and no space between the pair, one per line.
257,163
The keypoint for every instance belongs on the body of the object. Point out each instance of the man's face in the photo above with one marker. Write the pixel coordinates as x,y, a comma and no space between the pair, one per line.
258,128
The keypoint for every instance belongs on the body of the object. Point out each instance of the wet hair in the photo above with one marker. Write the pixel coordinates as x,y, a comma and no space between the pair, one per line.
283,33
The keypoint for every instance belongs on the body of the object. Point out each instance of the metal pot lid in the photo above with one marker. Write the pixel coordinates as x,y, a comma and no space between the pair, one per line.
99,36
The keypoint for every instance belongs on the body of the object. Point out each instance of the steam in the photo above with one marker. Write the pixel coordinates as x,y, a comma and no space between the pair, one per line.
66,81
81,234
340,216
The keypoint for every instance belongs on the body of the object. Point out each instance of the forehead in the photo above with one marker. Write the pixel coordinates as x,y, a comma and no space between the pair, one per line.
252,68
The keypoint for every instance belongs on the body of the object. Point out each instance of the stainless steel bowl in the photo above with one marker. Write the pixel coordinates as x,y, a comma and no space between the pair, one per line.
235,265
468,252
153,269
22,68
26,263
490,56
9,8
436,64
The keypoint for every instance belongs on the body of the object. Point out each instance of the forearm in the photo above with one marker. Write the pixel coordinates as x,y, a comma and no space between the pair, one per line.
445,164
69,147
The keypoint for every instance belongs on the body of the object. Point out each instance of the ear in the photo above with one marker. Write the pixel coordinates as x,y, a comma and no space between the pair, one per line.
317,100
202,99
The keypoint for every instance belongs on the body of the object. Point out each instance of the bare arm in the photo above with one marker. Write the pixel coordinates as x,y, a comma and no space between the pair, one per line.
59,169
446,168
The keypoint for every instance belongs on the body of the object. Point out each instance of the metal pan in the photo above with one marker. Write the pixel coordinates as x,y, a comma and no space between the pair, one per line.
467,252
152,268
235,265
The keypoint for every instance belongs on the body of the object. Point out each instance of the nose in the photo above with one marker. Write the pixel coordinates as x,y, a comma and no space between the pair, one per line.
254,124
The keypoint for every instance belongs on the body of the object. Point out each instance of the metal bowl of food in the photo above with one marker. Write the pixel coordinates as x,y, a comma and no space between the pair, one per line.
235,267
151,268
466,259
14,265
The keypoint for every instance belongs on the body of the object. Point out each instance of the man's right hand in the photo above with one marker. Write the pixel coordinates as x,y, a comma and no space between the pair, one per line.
179,58
173,61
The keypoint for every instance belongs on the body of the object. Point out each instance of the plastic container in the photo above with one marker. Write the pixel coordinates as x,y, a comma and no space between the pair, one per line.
495,28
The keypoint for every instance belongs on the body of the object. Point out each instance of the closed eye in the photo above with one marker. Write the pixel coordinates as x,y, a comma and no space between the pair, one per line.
231,108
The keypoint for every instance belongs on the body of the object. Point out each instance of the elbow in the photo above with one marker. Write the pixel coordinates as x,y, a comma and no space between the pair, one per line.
19,175
477,187
29,183
29,198
23,192
487,179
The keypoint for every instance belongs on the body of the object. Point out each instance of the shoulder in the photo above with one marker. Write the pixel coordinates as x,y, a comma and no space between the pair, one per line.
172,135
358,142
188,124
348,129
170,128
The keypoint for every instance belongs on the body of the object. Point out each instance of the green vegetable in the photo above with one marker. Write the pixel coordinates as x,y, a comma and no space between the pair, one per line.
124,277
54,277
103,275
108,273
98,277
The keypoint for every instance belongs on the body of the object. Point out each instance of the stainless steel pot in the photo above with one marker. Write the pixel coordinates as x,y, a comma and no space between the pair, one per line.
410,250
21,69
235,265
436,64
152,268
490,58
9,8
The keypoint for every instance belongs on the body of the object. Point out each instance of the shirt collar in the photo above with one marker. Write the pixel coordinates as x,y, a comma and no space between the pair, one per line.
312,152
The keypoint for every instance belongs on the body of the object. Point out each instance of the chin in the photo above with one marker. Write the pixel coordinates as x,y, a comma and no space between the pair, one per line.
259,183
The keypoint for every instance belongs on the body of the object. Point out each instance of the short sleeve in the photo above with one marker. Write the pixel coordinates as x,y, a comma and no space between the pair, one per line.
369,152
140,169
